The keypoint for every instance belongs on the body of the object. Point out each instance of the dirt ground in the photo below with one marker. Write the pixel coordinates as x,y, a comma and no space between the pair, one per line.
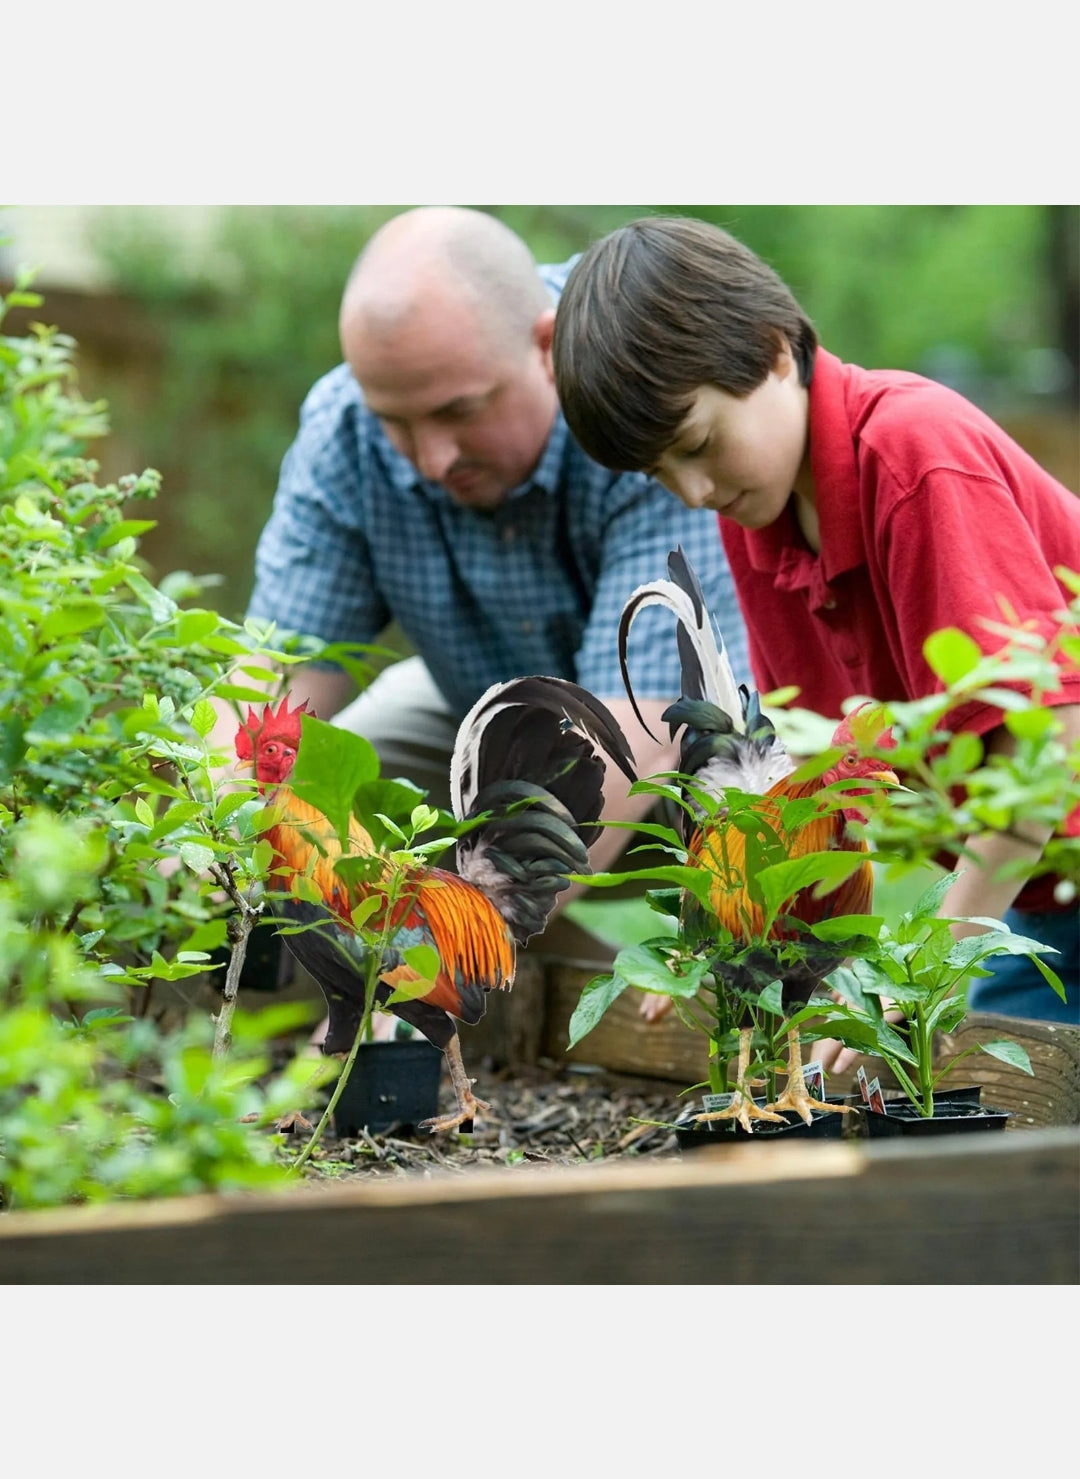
548,1115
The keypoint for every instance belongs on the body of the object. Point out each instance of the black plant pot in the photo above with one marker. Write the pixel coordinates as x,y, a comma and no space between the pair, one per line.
823,1126
956,1111
268,964
391,1083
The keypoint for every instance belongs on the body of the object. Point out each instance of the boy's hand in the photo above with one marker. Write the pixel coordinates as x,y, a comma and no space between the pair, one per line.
835,1058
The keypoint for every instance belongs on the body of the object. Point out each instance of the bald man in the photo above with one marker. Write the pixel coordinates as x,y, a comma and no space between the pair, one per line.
433,481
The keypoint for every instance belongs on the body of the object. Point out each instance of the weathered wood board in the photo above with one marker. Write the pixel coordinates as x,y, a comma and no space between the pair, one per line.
987,1209
1051,1097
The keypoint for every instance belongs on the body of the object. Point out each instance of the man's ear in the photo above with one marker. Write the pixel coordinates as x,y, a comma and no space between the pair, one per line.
543,332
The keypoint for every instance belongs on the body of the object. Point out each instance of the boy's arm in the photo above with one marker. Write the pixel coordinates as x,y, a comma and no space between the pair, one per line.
978,890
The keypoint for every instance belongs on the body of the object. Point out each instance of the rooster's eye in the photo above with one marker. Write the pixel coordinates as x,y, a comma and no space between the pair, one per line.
851,758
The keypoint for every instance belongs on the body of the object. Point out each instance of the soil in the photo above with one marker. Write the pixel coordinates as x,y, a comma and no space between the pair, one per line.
549,1115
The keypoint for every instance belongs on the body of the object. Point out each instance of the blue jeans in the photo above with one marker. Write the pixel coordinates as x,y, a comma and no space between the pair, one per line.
1016,989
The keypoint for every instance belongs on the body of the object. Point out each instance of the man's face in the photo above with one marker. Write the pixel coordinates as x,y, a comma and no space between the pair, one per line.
469,413
742,455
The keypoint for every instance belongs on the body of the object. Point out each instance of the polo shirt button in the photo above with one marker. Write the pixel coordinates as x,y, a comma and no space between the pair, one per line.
829,604
526,626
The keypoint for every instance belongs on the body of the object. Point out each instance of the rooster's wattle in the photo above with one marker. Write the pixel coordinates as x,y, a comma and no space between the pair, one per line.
528,755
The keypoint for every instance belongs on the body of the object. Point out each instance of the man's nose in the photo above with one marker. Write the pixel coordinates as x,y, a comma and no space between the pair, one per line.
434,451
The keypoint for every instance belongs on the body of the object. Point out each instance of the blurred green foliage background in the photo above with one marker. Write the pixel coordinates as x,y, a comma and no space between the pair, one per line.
212,351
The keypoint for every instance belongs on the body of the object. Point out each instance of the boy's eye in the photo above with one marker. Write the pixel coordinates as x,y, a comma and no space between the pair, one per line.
697,451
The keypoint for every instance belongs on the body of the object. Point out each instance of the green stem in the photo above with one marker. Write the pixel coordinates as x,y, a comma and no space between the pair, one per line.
375,958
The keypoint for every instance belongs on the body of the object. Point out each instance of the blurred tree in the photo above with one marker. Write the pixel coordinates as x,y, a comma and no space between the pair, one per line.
983,297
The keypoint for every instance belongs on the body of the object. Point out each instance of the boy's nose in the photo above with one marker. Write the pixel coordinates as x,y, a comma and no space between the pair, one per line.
695,488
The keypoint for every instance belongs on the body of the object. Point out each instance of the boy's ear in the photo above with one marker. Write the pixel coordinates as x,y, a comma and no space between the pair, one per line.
784,361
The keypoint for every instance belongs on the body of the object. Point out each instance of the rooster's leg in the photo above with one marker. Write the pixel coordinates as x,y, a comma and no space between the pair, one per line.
468,1103
796,1096
742,1106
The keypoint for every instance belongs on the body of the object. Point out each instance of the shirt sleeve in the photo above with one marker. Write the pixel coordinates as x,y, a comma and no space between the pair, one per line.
313,568
644,523
959,552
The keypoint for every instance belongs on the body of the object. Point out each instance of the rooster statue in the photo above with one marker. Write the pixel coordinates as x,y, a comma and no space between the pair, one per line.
528,756
729,743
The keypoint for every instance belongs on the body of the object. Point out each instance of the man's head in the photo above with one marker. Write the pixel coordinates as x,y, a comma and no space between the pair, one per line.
447,325
678,352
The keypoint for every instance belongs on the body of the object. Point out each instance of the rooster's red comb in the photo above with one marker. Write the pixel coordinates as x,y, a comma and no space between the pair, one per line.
865,728
282,723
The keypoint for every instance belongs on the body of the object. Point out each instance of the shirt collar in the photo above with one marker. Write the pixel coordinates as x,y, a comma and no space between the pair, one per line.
836,476
780,548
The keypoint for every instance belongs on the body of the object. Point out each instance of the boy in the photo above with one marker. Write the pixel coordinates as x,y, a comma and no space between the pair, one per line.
860,511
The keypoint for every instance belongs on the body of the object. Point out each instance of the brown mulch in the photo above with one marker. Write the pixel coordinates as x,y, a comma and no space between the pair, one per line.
544,1116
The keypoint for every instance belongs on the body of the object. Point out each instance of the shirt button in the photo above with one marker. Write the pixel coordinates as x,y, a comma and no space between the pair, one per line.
829,604
526,626
508,534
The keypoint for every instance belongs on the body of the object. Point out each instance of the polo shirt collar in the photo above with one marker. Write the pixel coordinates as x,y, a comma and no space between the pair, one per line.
780,548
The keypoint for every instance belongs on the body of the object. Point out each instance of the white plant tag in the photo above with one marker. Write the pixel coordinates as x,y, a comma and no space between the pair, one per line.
863,1090
710,1103
814,1079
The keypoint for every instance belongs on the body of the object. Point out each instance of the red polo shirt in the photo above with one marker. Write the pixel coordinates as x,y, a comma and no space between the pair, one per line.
929,513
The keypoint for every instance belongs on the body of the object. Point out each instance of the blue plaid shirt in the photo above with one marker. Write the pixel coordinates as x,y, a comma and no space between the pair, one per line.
357,537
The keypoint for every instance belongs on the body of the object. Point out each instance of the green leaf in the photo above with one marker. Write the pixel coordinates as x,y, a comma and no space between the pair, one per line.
365,909
424,959
228,804
1051,976
12,747
70,708
592,1004
144,813
647,968
197,857
124,529
771,1000
193,626
951,654
160,607
176,816
305,889
844,926
929,901
782,881
72,616
203,718
1009,1052
330,765
667,901
1031,723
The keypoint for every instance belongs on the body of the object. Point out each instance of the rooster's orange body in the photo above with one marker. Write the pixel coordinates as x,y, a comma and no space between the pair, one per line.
527,760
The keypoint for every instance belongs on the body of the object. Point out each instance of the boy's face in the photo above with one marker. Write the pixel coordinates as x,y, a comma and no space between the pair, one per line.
743,455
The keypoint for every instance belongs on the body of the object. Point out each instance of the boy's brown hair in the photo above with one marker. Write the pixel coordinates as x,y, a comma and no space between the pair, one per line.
651,313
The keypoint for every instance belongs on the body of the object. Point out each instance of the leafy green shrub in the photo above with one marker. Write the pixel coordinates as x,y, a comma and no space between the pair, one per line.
106,782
